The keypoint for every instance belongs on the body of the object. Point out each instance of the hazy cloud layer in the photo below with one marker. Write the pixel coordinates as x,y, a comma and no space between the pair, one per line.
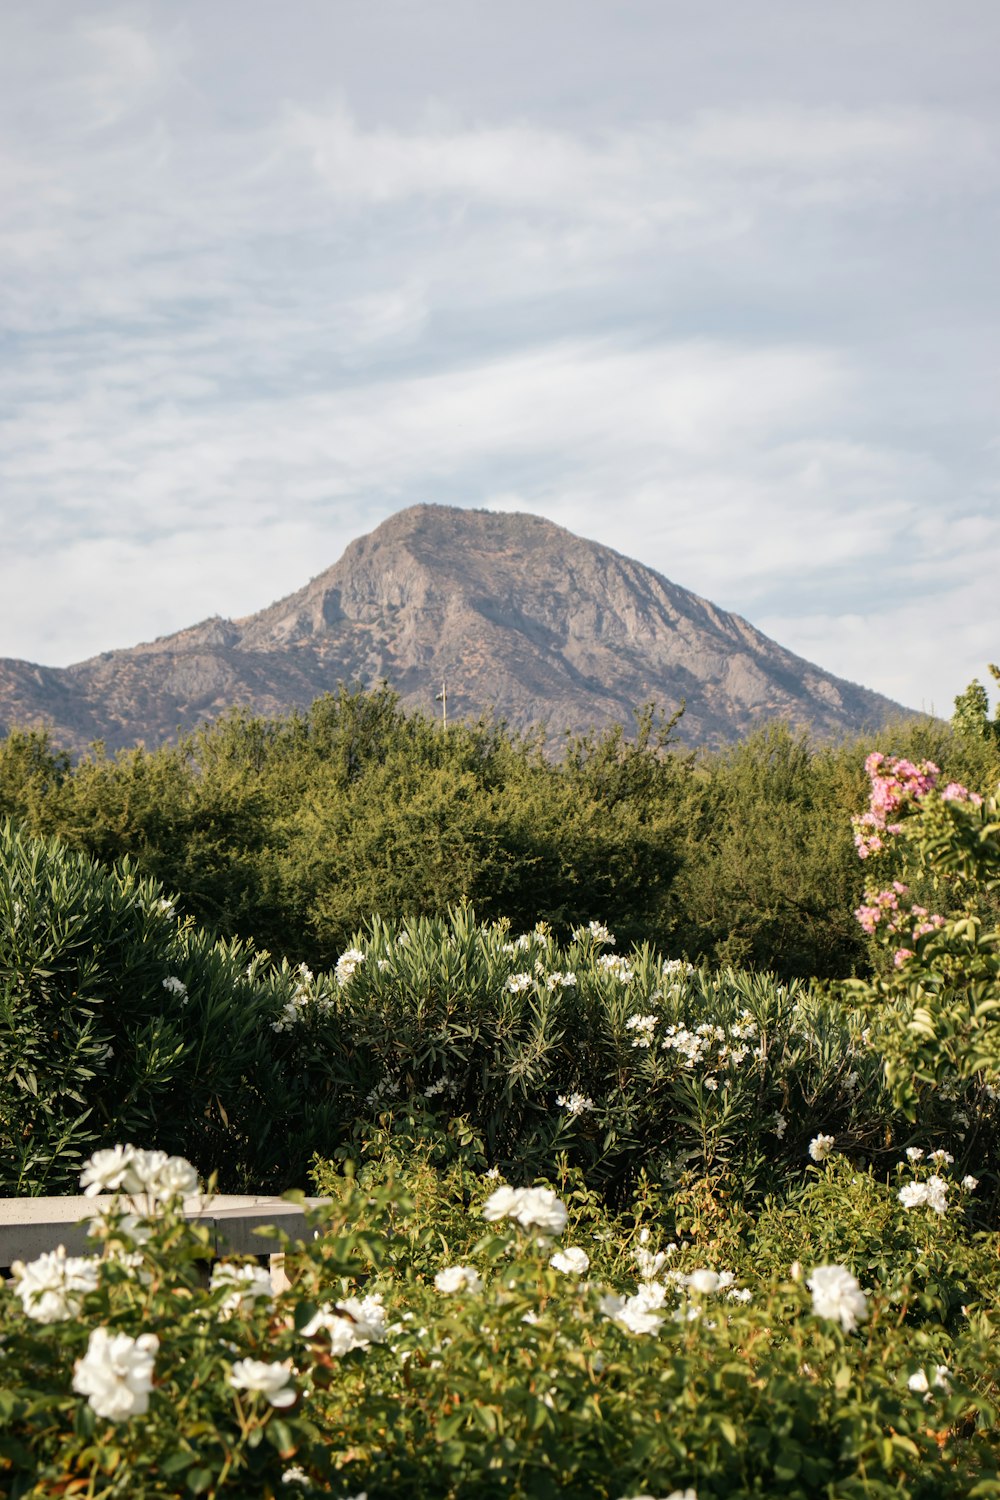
718,290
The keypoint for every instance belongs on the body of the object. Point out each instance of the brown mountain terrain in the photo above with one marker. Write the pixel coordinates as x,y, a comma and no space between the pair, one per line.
515,614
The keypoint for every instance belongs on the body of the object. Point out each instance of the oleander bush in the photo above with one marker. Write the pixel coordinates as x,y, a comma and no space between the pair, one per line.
120,1020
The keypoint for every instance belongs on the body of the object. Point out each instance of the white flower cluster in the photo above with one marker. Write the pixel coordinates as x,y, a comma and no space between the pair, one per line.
639,1313
539,934
731,1048
245,1285
128,1169
651,1262
644,1027
116,1373
302,1003
677,968
442,1084
837,1295
617,966
176,987
574,1104
930,1194
532,1208
352,1323
518,983
388,1088
596,931
560,981
52,1288
347,965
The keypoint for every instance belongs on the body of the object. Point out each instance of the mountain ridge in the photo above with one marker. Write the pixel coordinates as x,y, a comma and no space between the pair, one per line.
517,615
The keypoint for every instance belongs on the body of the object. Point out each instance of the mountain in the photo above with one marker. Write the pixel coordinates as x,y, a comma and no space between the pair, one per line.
513,613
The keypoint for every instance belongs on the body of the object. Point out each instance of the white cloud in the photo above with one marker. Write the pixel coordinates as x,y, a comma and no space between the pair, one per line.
733,325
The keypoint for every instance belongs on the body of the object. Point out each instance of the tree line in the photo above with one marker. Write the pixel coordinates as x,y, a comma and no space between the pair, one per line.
295,831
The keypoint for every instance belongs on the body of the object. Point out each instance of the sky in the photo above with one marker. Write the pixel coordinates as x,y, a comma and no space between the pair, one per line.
710,282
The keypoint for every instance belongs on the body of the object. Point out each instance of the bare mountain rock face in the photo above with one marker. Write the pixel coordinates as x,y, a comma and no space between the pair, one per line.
515,614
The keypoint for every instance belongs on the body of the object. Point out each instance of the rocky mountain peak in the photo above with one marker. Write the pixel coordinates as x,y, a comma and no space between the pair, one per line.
515,613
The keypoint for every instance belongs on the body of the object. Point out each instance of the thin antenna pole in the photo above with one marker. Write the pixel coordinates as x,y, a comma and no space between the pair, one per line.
442,698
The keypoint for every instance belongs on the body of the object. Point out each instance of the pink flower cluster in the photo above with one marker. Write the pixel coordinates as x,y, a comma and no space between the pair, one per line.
884,907
956,792
894,781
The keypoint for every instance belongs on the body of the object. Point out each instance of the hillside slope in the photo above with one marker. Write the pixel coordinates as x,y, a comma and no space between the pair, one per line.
514,613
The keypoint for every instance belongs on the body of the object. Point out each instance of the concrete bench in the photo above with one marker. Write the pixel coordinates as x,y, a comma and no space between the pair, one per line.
31,1226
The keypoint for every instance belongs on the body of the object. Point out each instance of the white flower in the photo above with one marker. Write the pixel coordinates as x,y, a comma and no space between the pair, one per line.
638,1314
347,963
176,1178
780,1125
970,1183
704,1282
352,1324
650,1264
246,1284
518,983
458,1279
572,1261
643,1026
595,930
541,1209
616,965
105,1171
914,1153
820,1147
940,1381
52,1288
295,1475
942,1158
501,1203
913,1194
574,1104
175,986
272,1381
837,1295
532,1208
116,1373
937,1194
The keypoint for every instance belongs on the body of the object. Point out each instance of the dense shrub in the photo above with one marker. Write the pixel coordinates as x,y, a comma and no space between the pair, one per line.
447,1336
293,832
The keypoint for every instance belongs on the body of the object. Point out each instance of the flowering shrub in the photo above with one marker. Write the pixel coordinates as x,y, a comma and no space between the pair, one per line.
935,1006
434,1343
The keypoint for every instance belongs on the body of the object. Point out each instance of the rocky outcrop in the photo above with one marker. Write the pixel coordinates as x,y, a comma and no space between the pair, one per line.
515,614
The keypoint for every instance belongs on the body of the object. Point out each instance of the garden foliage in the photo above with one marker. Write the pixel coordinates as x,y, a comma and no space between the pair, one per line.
599,1222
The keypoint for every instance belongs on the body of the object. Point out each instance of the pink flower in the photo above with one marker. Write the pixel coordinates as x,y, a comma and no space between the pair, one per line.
901,955
956,792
